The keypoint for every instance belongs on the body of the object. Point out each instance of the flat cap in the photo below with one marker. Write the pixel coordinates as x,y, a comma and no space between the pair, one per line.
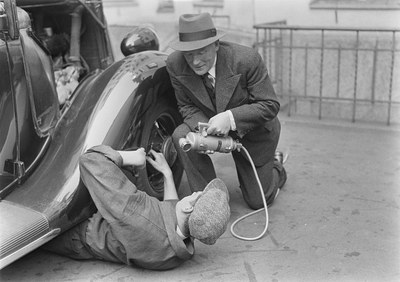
211,213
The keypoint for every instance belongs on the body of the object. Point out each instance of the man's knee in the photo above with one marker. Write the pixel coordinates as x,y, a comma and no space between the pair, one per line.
256,203
252,193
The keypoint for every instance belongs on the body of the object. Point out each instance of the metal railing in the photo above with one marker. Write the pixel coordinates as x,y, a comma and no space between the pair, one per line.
334,72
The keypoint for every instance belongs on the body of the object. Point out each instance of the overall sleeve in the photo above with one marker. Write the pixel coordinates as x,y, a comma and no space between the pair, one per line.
112,192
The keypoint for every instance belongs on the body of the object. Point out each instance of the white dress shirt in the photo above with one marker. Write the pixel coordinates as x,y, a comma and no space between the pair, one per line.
212,72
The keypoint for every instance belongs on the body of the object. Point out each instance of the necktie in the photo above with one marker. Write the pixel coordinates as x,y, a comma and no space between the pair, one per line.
209,83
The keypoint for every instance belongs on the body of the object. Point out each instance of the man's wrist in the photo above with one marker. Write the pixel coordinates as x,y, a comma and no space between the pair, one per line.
232,120
167,173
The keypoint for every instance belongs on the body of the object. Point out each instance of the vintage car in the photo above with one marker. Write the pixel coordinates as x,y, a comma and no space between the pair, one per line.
61,93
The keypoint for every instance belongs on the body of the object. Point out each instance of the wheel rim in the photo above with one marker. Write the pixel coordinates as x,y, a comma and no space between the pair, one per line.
160,140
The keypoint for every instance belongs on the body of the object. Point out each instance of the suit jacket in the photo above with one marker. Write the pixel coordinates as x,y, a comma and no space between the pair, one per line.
242,86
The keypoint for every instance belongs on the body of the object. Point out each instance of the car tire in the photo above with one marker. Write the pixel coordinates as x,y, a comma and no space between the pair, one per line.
159,124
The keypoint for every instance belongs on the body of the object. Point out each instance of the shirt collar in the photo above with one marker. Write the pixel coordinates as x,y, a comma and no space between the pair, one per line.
212,70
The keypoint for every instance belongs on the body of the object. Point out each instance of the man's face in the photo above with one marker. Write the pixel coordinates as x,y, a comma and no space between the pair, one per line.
202,60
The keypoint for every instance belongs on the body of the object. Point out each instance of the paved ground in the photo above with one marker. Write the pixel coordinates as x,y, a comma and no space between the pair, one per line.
337,218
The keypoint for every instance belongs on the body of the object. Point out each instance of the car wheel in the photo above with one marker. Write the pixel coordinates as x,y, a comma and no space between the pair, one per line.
159,124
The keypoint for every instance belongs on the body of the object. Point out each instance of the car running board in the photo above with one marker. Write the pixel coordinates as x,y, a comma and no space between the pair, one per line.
22,230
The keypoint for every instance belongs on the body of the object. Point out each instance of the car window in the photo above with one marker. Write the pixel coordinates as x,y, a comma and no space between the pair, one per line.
38,66
7,122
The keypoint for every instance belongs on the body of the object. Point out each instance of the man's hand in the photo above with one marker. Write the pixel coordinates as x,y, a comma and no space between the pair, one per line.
220,124
158,161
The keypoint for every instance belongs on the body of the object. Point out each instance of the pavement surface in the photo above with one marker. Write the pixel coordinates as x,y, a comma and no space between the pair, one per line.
337,218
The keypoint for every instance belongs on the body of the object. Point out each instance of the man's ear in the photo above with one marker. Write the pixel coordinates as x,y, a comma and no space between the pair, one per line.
188,209
217,45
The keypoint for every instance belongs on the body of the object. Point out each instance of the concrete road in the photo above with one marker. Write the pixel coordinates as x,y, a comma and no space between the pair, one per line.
337,218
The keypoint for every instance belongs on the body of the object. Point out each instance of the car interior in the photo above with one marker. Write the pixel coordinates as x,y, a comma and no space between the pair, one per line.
57,28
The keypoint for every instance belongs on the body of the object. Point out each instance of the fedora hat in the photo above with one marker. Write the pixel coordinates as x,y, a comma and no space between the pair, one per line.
195,31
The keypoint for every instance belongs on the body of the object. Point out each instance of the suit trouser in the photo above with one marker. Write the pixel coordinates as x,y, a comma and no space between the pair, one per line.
200,170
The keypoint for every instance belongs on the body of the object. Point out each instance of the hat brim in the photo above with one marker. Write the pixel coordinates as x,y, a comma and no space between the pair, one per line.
217,183
194,45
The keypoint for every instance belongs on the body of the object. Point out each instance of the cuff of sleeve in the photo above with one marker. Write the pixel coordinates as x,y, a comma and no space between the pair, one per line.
109,153
232,120
180,234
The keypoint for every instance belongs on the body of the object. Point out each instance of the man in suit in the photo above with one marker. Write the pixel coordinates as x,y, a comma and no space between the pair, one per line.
226,85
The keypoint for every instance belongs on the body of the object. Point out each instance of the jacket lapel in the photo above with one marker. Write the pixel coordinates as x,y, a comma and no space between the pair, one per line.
226,82
196,87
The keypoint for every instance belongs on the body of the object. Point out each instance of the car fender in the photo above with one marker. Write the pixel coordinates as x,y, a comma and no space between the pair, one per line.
105,109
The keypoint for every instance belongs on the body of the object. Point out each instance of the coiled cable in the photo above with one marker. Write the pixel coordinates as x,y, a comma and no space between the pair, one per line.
234,234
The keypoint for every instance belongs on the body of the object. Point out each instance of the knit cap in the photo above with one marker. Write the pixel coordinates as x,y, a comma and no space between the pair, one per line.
211,213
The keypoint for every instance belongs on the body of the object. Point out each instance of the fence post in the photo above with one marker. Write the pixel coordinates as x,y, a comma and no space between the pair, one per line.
277,60
391,77
270,49
339,63
375,57
305,70
321,75
281,54
257,39
265,42
290,70
355,76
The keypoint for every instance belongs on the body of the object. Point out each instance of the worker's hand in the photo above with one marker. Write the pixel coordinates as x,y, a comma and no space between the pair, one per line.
220,124
158,161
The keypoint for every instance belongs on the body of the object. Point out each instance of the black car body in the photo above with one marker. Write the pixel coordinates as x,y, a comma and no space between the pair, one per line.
124,104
